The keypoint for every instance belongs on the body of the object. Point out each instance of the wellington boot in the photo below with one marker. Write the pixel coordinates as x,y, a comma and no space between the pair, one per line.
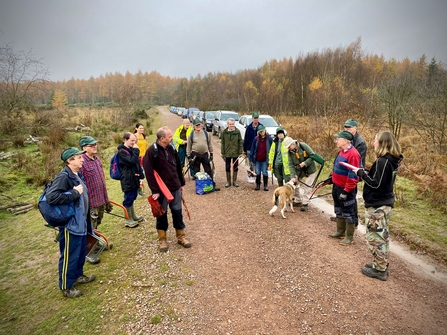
349,239
266,183
134,216
162,245
258,183
181,238
341,227
215,187
130,222
228,184
235,184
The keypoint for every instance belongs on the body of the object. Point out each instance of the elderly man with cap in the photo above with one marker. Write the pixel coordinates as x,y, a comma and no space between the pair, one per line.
279,158
301,166
95,180
231,149
68,187
344,182
259,153
250,134
359,143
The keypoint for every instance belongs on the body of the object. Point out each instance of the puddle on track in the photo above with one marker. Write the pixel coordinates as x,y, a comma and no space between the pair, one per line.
402,251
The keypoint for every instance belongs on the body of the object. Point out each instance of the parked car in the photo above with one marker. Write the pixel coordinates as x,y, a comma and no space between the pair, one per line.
180,111
266,120
190,112
207,120
173,109
220,121
193,115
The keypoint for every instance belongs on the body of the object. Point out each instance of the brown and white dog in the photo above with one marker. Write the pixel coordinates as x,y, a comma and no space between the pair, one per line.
282,195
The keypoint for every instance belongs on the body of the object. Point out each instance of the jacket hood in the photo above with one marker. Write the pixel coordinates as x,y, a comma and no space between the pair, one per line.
395,161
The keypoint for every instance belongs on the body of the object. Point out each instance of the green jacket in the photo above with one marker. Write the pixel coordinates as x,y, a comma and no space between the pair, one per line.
231,143
296,158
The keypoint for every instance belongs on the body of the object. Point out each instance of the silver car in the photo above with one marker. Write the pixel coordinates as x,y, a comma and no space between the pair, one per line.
267,121
220,121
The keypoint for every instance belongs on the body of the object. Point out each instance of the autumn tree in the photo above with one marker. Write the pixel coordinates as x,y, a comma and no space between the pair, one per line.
59,100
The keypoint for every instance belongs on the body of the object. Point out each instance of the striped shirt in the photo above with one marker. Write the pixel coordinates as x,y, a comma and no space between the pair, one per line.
95,180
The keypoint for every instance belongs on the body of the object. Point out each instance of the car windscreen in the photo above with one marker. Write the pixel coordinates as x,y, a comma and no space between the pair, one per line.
209,116
225,117
268,122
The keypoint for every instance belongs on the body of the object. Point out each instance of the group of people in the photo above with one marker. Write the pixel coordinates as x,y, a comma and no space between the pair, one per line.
348,170
82,182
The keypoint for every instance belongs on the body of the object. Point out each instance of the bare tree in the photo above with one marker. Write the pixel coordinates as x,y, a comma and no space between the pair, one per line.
20,72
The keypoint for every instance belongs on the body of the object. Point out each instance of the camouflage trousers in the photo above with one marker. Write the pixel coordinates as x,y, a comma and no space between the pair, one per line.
96,215
377,234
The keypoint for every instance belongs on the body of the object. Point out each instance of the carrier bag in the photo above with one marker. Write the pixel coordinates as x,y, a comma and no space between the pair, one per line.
204,183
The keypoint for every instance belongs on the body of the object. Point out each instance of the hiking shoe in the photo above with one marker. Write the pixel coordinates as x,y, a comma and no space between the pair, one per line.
371,266
303,208
296,201
373,273
85,279
71,292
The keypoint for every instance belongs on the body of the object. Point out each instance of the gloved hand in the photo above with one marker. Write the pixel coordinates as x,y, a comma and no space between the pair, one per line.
211,156
189,158
270,167
109,207
343,196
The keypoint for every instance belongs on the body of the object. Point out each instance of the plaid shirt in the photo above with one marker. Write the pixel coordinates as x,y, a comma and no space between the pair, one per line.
95,180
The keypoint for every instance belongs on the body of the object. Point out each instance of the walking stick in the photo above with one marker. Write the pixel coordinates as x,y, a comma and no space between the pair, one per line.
186,206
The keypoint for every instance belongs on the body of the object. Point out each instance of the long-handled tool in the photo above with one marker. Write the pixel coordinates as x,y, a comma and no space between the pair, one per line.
187,167
320,185
126,214
186,206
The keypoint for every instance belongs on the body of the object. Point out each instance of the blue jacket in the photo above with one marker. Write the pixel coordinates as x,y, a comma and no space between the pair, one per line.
250,134
254,148
62,192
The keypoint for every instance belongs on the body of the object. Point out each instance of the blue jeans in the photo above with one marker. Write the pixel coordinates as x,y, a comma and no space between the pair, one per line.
261,167
129,198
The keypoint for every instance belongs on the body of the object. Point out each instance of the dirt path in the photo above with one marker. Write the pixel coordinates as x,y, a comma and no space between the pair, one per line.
254,274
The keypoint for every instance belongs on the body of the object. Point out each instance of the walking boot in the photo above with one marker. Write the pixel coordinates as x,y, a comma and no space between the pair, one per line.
341,227
374,273
235,184
134,216
130,222
181,238
266,183
215,187
162,245
228,184
258,182
349,239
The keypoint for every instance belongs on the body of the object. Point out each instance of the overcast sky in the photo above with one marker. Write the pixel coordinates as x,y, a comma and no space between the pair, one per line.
184,38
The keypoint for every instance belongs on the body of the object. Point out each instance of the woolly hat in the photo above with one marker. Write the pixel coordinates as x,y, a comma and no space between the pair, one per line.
288,141
280,130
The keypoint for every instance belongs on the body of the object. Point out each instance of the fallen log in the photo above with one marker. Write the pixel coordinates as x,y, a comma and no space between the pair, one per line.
18,209
23,211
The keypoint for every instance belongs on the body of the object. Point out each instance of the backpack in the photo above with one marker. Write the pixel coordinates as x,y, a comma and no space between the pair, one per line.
55,215
192,135
115,172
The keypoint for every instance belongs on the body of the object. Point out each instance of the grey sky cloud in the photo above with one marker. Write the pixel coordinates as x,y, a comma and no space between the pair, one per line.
185,38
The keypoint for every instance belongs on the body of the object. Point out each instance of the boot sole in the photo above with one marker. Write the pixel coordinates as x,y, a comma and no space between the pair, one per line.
346,244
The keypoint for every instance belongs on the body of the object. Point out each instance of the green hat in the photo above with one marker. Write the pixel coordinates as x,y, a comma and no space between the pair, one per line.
279,130
345,134
260,128
196,122
255,115
86,140
351,123
70,152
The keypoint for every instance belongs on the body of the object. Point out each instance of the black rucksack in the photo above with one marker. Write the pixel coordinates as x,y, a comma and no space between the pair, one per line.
55,215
